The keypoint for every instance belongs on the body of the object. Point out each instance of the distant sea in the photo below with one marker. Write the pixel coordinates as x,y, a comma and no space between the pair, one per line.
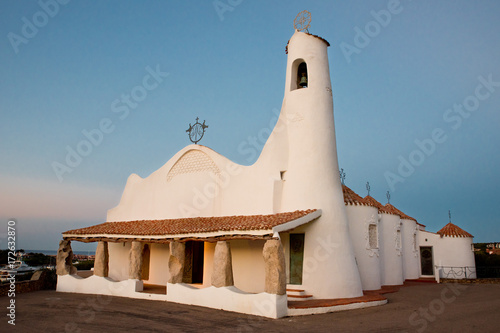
53,253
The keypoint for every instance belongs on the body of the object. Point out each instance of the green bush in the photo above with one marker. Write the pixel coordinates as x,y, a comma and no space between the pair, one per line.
487,265
84,265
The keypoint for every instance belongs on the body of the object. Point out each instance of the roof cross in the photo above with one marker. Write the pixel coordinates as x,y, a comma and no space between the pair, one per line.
342,176
388,195
368,187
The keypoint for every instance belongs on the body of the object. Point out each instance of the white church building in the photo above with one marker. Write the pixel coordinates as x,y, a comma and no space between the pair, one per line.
206,231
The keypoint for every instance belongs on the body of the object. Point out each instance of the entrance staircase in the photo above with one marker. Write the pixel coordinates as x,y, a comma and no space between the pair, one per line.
297,295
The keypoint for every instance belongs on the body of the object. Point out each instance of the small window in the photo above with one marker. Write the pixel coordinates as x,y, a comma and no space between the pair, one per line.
372,236
282,175
398,239
415,242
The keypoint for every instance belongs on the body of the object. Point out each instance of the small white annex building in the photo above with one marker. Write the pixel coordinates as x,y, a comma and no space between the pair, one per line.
214,233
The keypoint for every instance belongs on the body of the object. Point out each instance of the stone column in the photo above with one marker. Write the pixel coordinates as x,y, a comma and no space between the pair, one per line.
274,259
135,261
101,264
222,272
176,262
64,259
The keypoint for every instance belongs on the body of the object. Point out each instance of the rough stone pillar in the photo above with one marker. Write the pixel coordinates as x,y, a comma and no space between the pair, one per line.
135,261
64,259
222,272
101,264
176,262
274,259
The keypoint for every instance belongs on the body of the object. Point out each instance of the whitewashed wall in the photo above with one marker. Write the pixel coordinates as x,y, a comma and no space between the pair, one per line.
449,251
411,252
390,254
367,258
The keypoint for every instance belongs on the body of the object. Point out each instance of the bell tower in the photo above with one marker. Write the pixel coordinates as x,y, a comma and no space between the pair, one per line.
312,175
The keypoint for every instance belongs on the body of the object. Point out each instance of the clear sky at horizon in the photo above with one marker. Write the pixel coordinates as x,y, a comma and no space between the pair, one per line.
407,78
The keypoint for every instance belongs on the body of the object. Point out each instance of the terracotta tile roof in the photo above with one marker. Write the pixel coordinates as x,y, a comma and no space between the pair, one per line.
324,40
191,225
451,230
352,198
369,199
398,212
392,210
402,215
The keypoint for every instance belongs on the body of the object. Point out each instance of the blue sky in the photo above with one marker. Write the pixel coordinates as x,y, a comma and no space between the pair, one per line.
70,71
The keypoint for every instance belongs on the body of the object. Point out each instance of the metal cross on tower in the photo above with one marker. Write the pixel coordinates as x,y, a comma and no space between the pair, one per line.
368,187
303,21
342,176
388,195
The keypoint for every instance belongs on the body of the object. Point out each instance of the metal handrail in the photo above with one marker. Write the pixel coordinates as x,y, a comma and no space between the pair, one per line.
453,272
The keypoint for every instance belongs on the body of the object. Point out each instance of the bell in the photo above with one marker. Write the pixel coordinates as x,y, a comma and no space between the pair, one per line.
303,81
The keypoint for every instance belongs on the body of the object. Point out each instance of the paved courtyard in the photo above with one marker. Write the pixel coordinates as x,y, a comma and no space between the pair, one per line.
419,308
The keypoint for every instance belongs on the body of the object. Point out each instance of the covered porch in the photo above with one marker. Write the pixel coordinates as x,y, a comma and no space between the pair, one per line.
172,250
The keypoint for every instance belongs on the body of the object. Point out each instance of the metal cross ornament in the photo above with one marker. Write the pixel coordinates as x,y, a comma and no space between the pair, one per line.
342,176
388,197
368,187
303,21
196,131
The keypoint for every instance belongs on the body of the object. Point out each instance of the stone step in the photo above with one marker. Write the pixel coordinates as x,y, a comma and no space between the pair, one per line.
300,296
297,295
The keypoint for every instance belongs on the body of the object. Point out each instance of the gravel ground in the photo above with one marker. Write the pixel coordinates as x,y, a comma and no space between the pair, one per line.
446,307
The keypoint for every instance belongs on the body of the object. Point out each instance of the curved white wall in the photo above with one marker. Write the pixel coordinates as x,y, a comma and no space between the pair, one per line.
312,179
456,251
360,218
450,252
411,254
390,254
206,184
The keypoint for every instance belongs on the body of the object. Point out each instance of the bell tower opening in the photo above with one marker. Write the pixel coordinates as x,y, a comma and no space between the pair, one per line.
302,75
299,68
